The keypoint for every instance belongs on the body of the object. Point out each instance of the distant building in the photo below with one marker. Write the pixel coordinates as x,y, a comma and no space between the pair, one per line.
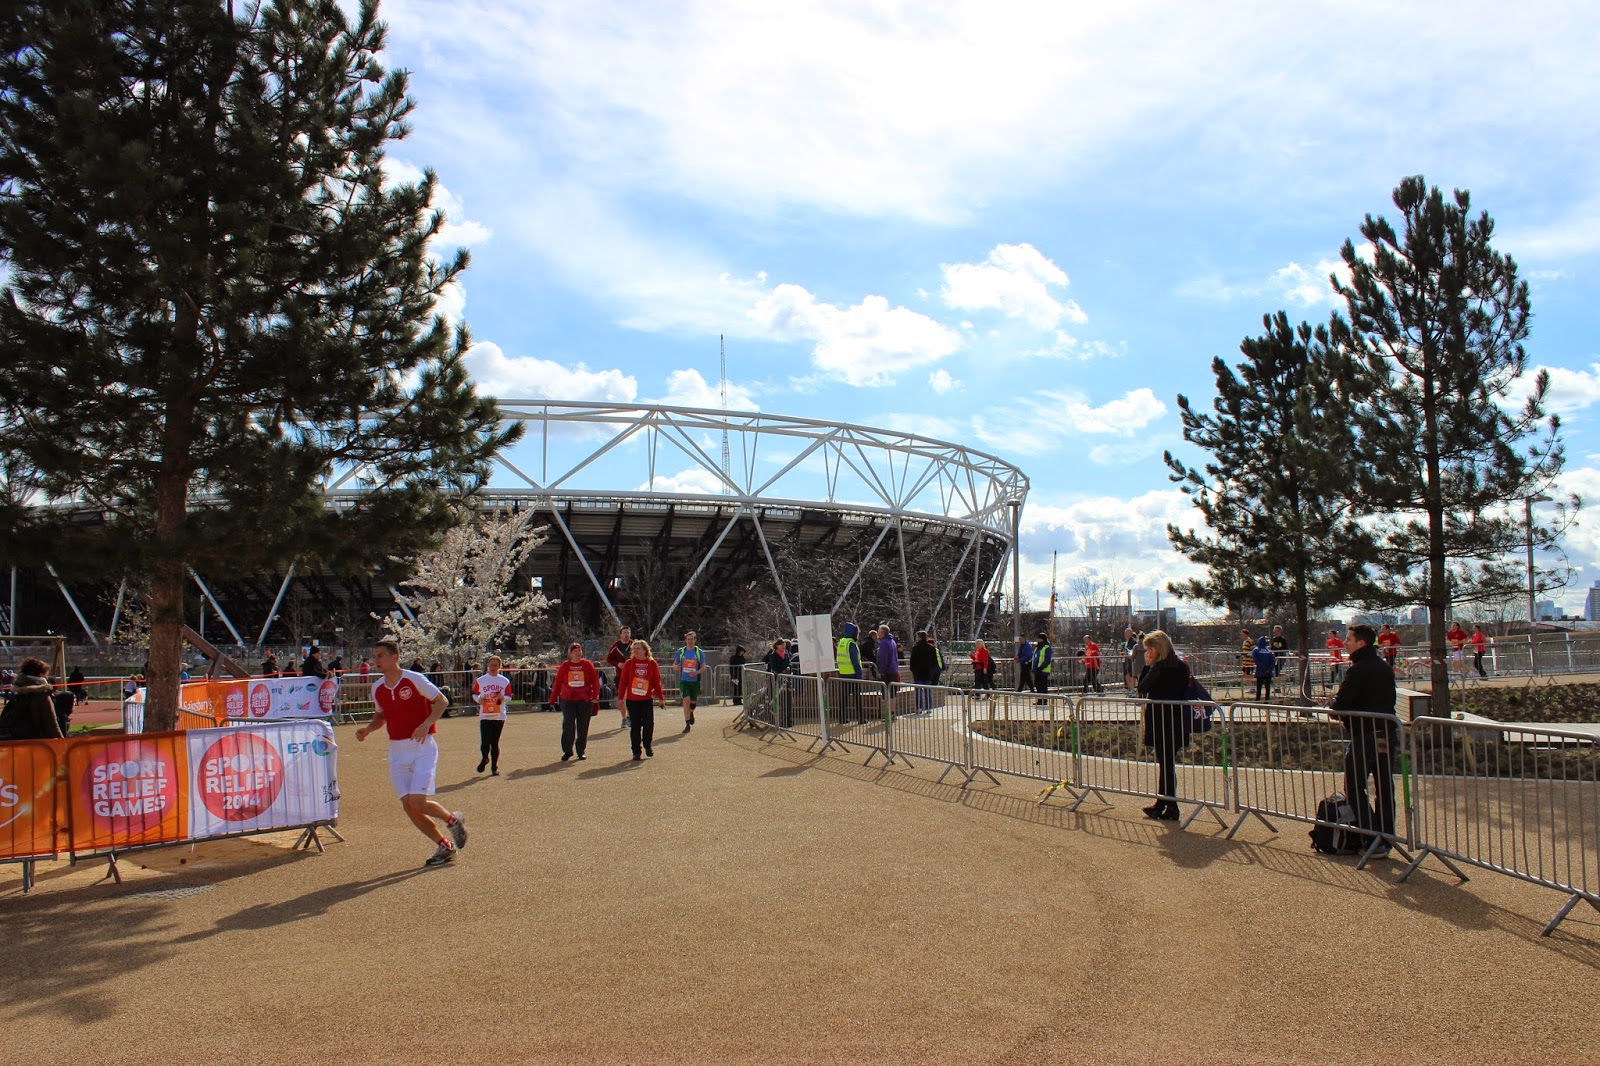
1419,616
1546,611
1591,605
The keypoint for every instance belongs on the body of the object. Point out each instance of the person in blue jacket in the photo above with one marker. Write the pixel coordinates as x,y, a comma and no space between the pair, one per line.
1266,664
1024,666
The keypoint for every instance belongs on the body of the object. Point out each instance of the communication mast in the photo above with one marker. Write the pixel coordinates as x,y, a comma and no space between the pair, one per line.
722,352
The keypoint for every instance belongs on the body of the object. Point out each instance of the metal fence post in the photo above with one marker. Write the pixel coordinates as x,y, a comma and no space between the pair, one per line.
822,713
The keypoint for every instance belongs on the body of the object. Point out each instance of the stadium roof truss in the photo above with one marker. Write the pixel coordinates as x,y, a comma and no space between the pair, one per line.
709,471
751,464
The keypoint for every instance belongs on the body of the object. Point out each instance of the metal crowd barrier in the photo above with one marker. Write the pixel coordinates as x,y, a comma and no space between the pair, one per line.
935,728
1022,734
1287,759
1519,801
1516,800
28,802
1113,757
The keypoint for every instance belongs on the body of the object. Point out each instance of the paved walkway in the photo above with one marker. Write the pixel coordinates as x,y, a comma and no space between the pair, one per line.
732,900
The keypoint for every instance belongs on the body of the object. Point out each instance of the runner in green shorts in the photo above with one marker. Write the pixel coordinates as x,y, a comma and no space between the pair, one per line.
691,662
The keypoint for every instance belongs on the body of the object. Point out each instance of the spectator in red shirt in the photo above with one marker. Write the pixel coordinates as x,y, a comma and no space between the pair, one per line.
1480,644
982,666
576,692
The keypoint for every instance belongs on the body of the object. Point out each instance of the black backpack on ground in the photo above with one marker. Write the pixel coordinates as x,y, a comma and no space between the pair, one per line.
1330,835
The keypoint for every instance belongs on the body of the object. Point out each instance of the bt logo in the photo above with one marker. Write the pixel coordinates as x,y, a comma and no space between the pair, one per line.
316,746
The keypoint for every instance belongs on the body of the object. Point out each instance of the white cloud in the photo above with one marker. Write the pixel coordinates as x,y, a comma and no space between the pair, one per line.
1038,424
458,230
921,425
528,377
941,381
1308,287
868,344
686,388
1570,390
1015,280
1127,536
696,481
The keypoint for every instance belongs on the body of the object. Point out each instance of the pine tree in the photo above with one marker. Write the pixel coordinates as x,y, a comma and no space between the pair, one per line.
1276,491
213,298
1436,323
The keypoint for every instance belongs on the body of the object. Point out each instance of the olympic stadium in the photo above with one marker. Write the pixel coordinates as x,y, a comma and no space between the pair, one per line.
666,518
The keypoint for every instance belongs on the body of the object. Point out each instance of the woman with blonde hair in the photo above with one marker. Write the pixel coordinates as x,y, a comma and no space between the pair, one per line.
1168,722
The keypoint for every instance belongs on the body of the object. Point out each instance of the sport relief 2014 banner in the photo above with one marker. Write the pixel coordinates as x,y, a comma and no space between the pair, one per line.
257,777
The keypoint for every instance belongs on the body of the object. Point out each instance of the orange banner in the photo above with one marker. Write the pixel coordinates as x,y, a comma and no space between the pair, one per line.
28,814
125,792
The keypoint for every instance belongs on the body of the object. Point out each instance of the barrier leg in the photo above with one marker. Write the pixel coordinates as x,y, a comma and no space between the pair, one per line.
1096,793
1244,816
27,877
333,831
1045,794
111,868
1196,813
1423,853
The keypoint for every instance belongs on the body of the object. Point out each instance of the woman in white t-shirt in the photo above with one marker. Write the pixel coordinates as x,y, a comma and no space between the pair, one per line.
491,692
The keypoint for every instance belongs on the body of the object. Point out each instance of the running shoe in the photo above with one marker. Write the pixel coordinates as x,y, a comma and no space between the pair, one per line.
458,828
444,853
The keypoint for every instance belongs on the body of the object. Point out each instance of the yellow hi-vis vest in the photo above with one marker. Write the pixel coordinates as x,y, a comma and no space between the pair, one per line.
841,656
1043,658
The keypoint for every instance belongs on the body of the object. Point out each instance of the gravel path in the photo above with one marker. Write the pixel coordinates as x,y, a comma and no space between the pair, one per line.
733,900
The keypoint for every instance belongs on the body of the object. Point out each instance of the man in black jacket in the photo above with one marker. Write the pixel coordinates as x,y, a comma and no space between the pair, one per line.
1369,686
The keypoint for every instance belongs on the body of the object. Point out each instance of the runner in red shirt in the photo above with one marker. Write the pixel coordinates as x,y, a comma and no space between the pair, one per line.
1458,642
621,648
638,679
1091,666
1480,644
576,691
1335,656
408,705
1389,644
982,666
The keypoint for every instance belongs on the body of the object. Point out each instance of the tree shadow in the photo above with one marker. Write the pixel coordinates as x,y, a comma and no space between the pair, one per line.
68,950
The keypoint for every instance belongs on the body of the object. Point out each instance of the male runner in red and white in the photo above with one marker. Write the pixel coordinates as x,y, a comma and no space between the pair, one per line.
408,705
1335,656
491,692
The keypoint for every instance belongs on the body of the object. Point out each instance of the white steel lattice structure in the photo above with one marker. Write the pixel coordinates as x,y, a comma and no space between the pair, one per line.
612,476
635,491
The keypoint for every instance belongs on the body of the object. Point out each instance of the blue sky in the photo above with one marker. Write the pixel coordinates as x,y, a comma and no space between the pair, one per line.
1022,227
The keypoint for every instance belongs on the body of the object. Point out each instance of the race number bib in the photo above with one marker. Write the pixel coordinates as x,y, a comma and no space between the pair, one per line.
690,669
575,679
640,689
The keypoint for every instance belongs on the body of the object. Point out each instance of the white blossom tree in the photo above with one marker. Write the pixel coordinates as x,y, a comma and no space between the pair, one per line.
463,598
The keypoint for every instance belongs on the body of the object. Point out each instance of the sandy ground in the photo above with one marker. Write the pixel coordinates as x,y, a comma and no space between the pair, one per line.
735,900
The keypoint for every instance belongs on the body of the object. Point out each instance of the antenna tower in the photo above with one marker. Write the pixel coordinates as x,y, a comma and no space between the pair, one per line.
722,352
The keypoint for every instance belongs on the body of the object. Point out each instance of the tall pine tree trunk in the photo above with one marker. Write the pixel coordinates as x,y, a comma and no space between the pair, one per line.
166,603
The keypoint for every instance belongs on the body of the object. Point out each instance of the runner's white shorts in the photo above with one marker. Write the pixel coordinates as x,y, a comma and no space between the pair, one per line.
412,766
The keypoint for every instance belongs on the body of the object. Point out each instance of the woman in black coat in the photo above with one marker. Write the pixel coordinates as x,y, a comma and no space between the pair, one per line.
736,663
30,713
1167,725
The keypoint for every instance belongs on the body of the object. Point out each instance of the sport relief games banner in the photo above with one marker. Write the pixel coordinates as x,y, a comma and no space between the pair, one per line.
164,788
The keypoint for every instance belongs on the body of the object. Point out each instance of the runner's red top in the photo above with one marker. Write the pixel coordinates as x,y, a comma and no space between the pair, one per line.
575,681
637,679
1091,655
406,705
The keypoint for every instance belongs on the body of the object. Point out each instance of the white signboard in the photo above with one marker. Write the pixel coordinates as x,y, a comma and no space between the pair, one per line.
816,643
257,776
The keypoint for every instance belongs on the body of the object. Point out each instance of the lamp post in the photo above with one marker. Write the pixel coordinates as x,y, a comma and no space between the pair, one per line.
1528,525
